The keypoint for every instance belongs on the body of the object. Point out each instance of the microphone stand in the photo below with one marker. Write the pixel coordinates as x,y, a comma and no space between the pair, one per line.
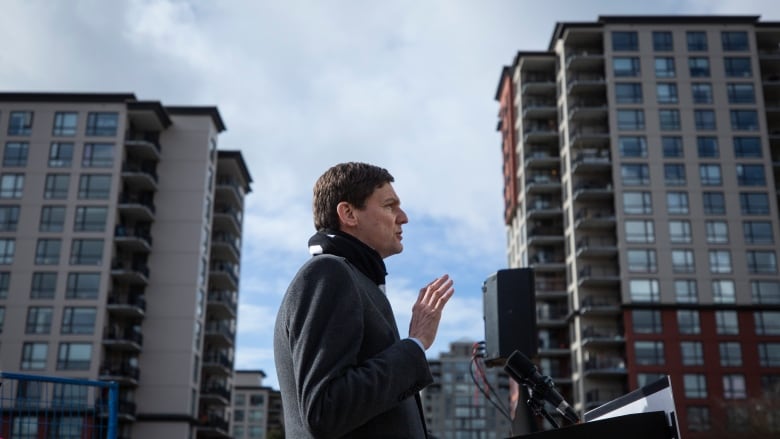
537,404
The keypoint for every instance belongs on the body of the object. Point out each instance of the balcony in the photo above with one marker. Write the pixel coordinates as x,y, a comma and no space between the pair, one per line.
128,338
542,158
588,218
605,366
215,394
133,306
602,336
226,246
591,160
122,372
539,107
227,219
599,306
585,82
592,190
549,288
125,410
220,332
139,177
224,274
143,145
588,135
587,109
137,206
541,235
136,240
548,261
539,209
126,271
597,247
597,397
598,275
540,132
218,363
222,303
213,425
543,183
551,316
229,190
537,82
581,58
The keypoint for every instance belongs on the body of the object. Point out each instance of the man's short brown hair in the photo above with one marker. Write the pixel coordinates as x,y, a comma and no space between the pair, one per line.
352,182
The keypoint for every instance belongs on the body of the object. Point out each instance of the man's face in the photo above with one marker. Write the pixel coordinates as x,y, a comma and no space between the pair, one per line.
379,222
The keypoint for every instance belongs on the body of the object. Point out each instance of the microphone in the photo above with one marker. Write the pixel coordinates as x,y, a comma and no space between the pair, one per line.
525,372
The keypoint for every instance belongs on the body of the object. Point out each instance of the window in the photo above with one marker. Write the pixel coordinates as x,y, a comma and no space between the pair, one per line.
632,146
5,282
625,66
747,147
644,290
20,123
9,218
669,119
15,154
685,291
639,231
67,427
34,356
7,247
682,261
664,67
94,186
744,120
674,174
44,285
256,400
758,232
704,119
734,386
734,40
666,93
723,291
2,318
707,146
720,261
65,123
646,321
83,286
637,203
761,262
680,231
769,354
710,175
688,321
677,202
60,155
86,252
52,219
641,261
714,203
649,353
635,174
102,124
751,175
741,93
702,92
11,186
98,155
672,146
625,40
754,203
74,356
726,322
630,120
697,41
699,66
698,418
717,232
628,93
691,353
695,386
662,41
767,322
47,252
90,219
38,320
738,67
56,187
78,320
765,292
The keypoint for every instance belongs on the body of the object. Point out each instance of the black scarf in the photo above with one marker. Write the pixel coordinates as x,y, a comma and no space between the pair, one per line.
365,258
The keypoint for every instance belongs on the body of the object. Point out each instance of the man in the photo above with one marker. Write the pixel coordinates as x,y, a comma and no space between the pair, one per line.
344,371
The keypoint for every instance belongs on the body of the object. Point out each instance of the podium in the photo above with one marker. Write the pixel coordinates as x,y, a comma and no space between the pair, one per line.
650,425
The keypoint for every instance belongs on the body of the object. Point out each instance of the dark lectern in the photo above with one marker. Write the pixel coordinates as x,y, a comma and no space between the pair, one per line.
650,425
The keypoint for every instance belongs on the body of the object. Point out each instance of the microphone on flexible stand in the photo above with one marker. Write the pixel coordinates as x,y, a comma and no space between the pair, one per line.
542,387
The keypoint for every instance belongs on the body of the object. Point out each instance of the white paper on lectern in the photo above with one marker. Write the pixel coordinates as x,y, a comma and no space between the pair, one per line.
654,397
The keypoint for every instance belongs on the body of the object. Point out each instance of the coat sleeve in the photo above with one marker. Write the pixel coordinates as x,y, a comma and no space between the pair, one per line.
337,388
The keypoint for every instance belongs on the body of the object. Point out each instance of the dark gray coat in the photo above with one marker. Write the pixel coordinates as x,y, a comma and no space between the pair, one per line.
343,370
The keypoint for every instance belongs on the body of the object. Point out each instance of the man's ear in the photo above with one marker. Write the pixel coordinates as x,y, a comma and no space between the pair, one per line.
346,214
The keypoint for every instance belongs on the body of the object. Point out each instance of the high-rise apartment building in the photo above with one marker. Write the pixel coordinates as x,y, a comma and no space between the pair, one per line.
120,238
455,407
641,184
257,409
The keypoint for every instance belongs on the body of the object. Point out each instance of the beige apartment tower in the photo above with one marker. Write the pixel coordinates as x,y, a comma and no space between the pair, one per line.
641,185
120,240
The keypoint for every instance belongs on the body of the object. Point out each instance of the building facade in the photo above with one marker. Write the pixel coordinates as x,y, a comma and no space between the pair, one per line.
120,235
257,409
454,407
641,158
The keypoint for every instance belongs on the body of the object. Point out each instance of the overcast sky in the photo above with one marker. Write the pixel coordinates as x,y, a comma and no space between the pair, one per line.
301,85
